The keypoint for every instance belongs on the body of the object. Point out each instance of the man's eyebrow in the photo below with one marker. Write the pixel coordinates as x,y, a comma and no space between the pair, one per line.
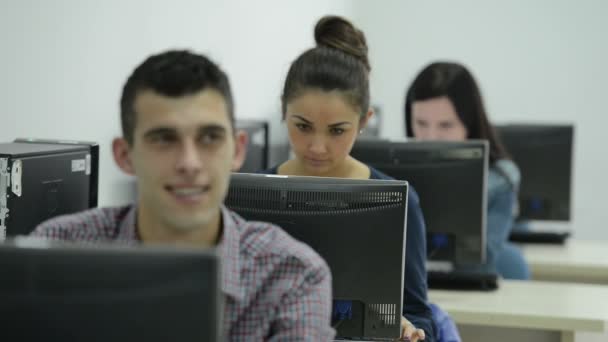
212,128
215,128
159,131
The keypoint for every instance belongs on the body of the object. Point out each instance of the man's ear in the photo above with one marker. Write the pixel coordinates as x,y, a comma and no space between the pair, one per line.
122,155
365,119
241,139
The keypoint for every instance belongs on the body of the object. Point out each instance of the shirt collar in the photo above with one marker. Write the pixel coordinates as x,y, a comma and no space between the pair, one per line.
230,254
228,247
127,230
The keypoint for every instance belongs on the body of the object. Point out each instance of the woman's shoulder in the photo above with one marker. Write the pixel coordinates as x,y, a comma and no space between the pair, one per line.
504,173
377,174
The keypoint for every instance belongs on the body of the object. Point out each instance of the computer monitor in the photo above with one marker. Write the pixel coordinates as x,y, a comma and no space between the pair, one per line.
450,179
357,226
63,292
257,157
40,179
543,153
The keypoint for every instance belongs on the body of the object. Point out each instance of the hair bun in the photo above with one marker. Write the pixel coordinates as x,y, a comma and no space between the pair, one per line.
338,33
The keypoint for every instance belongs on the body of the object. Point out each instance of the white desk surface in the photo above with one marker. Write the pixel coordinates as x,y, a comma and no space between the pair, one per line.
530,304
576,261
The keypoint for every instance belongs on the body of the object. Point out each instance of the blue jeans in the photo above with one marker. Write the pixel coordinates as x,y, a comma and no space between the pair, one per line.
446,328
510,263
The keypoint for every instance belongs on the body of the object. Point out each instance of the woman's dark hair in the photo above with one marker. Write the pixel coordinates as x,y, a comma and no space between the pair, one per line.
338,63
456,83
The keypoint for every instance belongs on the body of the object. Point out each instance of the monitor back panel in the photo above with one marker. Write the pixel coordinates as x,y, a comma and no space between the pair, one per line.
543,154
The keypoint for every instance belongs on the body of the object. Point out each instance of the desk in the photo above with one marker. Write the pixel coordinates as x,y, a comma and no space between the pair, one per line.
577,261
529,311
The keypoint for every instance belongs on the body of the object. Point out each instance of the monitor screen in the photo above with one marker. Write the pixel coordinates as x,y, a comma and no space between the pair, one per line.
357,226
450,179
63,292
257,146
543,154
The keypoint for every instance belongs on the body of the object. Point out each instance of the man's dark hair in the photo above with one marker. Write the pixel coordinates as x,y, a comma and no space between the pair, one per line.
172,74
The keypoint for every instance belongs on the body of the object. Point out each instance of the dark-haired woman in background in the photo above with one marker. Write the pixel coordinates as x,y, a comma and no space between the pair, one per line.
444,103
325,105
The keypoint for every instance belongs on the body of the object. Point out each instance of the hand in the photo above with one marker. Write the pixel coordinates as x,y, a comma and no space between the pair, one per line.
409,331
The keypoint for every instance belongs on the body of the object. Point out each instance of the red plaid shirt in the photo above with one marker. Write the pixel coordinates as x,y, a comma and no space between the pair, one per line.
276,288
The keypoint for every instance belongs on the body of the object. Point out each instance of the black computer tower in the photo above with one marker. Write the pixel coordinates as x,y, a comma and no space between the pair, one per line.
256,159
40,179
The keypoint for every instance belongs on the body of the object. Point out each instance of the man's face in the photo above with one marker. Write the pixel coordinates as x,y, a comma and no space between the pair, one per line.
182,153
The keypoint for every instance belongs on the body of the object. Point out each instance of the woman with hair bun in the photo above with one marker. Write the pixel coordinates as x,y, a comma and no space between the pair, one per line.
325,105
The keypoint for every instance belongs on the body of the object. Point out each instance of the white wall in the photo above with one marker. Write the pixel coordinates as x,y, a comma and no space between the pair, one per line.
542,60
63,63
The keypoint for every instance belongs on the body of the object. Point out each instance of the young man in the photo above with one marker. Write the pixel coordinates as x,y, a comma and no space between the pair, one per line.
179,142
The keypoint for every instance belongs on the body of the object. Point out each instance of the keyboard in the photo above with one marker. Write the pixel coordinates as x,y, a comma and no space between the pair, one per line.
462,280
557,238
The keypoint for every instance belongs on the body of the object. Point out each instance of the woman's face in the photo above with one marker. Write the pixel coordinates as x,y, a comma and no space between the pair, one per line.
436,119
322,128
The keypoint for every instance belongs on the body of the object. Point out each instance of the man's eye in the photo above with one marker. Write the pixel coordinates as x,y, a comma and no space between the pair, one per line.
211,138
164,138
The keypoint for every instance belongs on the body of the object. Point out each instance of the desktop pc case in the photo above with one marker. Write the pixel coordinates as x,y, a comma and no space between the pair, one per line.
257,157
41,179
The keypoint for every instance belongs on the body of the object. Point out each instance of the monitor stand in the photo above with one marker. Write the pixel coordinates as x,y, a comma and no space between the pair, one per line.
439,266
444,275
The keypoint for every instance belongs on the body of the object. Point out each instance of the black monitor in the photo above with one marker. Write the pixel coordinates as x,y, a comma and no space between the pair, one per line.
450,178
40,179
258,145
543,153
63,292
357,226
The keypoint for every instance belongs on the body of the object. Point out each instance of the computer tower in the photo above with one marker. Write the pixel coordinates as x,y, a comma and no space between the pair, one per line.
40,179
258,146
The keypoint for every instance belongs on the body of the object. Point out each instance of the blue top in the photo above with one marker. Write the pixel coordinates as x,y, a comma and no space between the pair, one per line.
415,304
446,327
503,256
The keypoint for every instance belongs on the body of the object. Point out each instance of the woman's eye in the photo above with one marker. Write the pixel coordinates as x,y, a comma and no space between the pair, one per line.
446,125
421,123
303,127
337,131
